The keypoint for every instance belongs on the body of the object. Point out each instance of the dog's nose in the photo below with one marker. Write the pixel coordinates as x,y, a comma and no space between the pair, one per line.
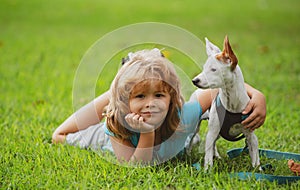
195,81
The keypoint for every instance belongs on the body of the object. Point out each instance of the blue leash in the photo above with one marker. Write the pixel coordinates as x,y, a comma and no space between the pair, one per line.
268,154
259,176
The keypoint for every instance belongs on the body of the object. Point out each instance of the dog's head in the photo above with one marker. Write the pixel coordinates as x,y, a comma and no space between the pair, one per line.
218,67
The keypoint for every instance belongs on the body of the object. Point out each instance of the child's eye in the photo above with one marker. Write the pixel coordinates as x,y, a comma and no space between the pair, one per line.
139,96
159,95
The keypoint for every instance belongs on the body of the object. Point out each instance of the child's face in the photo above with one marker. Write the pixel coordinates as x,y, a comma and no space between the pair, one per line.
151,101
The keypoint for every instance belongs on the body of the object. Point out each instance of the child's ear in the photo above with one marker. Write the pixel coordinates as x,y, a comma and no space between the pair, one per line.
211,49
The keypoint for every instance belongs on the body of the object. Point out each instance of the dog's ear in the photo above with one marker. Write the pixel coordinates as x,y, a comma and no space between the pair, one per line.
211,49
227,55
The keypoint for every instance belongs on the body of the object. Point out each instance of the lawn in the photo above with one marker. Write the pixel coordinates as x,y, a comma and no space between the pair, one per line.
42,44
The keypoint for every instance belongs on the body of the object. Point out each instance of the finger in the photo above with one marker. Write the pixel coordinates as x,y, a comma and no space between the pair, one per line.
249,119
128,117
141,121
131,120
136,117
248,108
258,122
254,124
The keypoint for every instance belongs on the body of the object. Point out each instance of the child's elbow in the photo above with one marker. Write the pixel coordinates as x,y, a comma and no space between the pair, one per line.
58,138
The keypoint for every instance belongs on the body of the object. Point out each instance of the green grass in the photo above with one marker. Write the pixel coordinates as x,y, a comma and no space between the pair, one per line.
42,43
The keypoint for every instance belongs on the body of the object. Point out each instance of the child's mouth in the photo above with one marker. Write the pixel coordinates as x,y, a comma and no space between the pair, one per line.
148,113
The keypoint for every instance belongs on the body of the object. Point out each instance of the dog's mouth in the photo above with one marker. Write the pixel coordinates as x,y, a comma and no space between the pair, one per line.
200,86
196,82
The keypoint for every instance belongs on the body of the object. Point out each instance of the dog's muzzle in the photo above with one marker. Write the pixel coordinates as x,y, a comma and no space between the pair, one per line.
196,82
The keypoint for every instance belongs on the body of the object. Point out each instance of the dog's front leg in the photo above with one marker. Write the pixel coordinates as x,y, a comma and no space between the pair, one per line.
252,143
216,153
211,137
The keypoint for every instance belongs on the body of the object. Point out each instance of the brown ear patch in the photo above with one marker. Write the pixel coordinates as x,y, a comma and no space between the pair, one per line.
228,52
222,57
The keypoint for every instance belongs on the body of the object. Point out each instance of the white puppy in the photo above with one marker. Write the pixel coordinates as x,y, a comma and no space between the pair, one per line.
221,71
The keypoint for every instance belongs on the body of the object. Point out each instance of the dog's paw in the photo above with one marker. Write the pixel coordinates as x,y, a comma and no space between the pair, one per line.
206,168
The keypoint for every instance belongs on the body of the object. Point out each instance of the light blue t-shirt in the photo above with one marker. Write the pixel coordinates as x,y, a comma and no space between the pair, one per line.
189,118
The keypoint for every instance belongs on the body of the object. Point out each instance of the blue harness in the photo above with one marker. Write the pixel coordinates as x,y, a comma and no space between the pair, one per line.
230,122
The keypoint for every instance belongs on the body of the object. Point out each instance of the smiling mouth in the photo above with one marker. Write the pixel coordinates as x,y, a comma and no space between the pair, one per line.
149,113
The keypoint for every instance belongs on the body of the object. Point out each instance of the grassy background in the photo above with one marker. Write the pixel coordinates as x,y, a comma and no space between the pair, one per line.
42,43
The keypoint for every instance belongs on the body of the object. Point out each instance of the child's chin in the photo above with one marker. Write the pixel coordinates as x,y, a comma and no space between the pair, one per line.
154,123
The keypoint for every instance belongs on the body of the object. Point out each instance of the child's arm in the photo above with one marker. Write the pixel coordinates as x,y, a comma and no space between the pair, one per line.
143,153
86,116
205,98
257,105
125,151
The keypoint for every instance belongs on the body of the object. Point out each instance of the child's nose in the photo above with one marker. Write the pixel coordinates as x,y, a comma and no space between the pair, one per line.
150,102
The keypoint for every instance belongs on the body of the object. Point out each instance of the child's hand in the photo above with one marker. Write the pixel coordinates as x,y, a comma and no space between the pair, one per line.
137,122
257,105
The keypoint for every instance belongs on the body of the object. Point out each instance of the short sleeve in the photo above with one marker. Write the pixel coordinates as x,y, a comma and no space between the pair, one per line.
107,131
190,116
134,139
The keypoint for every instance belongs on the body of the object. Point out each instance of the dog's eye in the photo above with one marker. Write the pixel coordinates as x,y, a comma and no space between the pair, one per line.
213,69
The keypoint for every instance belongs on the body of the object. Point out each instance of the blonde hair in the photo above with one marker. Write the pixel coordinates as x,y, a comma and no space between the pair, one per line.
142,66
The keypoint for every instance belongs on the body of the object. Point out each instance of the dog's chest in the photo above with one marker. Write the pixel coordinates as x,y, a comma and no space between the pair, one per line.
231,127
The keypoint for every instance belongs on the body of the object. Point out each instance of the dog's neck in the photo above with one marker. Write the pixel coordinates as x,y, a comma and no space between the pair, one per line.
233,94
